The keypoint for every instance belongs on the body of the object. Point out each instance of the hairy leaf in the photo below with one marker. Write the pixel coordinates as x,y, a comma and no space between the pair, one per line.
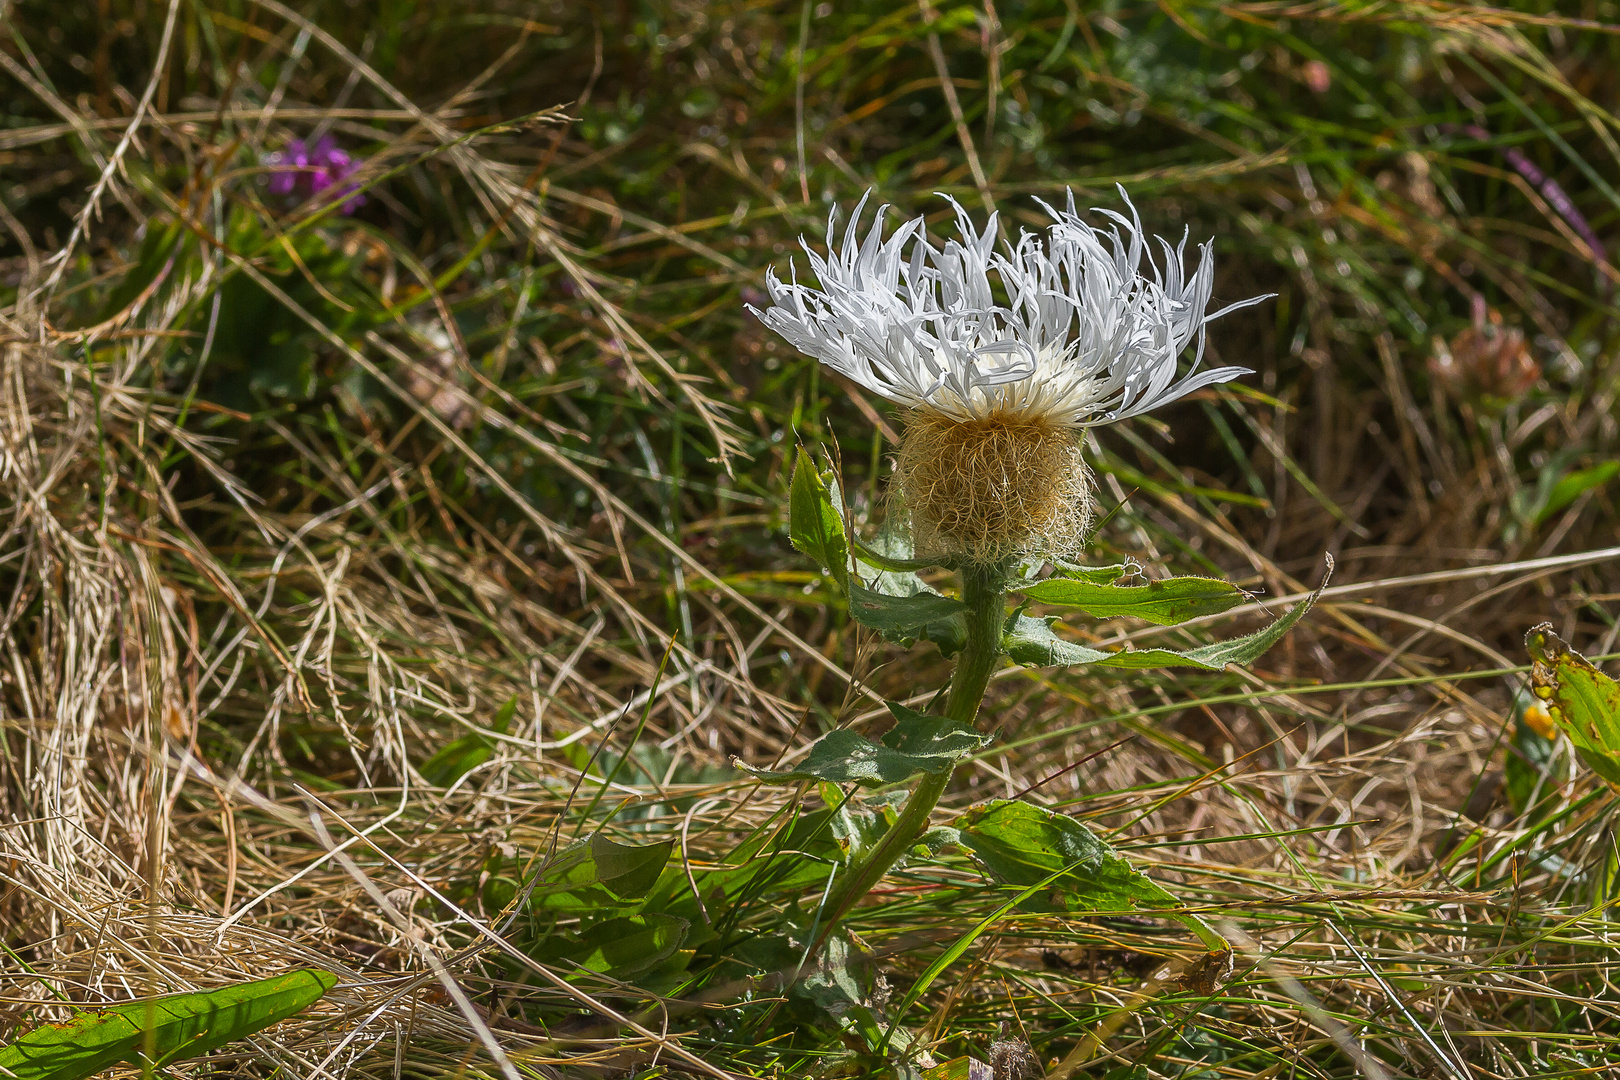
1095,575
917,743
920,616
901,616
1167,602
816,517
875,556
1031,641
1023,844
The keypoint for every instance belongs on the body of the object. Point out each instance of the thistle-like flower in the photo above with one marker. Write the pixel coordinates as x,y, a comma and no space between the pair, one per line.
1001,383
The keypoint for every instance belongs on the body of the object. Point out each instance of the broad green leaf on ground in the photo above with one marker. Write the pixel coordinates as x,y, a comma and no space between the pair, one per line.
629,870
841,976
181,1026
601,871
1167,602
816,517
962,1068
620,947
1582,702
1031,641
917,743
840,983
1023,844
468,752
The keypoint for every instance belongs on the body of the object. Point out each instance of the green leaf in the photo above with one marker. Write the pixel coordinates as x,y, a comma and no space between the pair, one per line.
1583,702
816,517
465,754
621,947
1572,486
962,1068
917,743
886,603
629,871
841,977
1022,845
181,1026
933,736
1166,603
901,616
1134,1072
601,872
907,565
1095,575
1031,641
887,564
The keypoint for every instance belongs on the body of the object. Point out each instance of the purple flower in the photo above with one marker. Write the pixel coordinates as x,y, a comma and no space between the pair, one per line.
306,171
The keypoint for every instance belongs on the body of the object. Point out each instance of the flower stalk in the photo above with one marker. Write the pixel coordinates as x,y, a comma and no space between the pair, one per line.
1003,359
984,593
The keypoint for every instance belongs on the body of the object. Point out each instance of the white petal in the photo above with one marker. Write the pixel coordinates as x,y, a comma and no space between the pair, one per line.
1083,336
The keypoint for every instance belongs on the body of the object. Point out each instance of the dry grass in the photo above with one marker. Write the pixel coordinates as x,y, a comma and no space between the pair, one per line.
525,444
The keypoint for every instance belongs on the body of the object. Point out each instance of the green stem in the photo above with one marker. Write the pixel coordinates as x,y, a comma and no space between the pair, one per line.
985,596
983,592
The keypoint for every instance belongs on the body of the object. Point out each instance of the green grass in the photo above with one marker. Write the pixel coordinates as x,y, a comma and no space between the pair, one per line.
294,499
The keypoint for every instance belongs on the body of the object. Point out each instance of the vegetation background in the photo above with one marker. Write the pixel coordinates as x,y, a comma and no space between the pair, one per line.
299,493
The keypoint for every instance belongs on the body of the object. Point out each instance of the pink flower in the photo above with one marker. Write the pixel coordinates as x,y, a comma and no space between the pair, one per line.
306,171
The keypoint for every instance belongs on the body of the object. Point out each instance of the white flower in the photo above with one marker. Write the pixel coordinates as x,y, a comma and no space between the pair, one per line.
1079,335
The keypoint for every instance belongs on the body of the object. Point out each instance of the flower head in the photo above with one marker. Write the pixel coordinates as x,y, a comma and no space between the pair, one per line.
307,170
1000,381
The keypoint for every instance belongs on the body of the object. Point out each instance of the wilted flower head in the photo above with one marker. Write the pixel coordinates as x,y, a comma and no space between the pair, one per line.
1000,382
304,170
1486,364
